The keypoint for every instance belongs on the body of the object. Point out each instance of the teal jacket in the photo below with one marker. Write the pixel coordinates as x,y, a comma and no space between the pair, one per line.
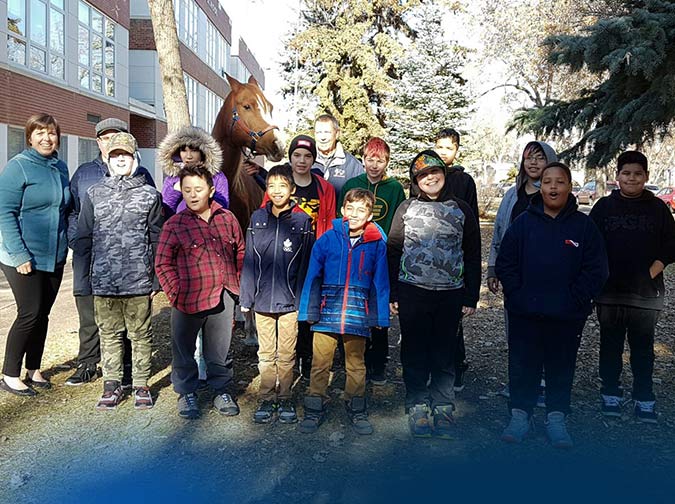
34,196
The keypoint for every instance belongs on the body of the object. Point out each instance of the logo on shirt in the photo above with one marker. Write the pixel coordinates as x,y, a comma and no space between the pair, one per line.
573,243
288,245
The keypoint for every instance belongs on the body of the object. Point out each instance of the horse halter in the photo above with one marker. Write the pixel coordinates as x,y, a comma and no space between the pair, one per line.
255,135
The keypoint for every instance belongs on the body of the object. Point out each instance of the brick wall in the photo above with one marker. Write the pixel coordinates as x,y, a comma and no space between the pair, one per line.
117,10
148,132
141,36
22,96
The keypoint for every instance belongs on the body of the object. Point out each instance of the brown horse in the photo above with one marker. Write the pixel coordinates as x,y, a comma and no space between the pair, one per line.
243,129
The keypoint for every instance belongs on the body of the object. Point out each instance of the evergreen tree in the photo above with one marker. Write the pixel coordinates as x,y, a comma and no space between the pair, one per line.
633,51
431,93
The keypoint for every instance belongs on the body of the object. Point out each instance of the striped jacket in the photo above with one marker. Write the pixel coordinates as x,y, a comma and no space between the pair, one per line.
346,290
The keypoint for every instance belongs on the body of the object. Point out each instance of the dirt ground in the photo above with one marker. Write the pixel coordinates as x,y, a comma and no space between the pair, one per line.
57,448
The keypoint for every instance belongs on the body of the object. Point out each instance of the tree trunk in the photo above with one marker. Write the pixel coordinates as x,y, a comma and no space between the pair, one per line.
166,42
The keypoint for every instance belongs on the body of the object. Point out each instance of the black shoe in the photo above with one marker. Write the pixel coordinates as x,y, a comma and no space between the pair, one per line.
84,373
315,414
358,415
44,385
127,380
377,377
27,392
287,413
459,376
265,412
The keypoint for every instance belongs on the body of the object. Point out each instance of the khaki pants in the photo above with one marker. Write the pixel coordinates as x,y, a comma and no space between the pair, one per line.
322,360
277,337
114,316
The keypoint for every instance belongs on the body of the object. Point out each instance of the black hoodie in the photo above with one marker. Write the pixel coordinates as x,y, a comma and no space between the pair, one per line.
637,231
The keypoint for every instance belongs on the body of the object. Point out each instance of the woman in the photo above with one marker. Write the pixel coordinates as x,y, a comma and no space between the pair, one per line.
34,196
552,264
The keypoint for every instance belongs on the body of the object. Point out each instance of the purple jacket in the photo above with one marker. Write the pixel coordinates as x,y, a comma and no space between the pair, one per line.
173,198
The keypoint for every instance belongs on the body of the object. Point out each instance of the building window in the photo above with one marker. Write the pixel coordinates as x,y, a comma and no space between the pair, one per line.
213,105
95,50
16,141
63,148
186,12
191,91
36,35
87,150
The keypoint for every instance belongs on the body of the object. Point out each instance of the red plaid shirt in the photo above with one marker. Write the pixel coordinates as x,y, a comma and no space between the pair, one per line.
197,259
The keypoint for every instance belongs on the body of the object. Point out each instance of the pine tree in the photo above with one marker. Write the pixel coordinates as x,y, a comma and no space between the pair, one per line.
633,51
431,93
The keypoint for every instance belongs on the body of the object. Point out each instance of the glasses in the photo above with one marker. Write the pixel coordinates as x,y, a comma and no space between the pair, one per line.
536,159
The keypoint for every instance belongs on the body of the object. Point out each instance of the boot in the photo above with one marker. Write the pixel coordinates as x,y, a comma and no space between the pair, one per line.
315,414
358,415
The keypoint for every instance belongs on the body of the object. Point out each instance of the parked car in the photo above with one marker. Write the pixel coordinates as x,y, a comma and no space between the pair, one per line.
667,194
653,188
575,188
588,196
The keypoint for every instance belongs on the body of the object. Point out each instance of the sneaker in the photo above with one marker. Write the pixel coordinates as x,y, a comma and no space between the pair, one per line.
611,405
225,404
459,376
265,412
188,406
418,420
644,412
287,413
519,427
84,373
142,398
444,422
378,377
112,395
315,414
358,415
126,377
556,430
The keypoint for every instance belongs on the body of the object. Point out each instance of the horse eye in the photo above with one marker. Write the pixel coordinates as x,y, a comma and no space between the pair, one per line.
247,107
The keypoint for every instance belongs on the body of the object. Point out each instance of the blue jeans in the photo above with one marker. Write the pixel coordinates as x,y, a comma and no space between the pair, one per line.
638,325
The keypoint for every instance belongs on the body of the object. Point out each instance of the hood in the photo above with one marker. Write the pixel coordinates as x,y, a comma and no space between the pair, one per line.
537,207
373,231
436,161
549,152
168,154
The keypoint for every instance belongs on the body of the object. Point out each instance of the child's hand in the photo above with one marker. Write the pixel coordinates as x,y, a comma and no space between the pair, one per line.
393,308
656,269
467,311
244,309
251,168
493,285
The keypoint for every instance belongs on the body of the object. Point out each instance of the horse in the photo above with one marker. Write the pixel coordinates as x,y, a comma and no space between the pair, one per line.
244,128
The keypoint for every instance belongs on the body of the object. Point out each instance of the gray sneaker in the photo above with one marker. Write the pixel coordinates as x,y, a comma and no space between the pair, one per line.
188,407
225,404
556,430
519,427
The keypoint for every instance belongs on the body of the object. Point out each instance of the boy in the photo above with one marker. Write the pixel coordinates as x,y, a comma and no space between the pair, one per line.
278,244
388,196
632,299
116,240
464,188
345,294
434,270
200,253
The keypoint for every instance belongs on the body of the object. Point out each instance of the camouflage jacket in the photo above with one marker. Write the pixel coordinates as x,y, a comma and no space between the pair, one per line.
117,234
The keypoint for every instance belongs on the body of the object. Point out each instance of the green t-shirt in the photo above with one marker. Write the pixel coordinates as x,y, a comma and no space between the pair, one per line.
388,196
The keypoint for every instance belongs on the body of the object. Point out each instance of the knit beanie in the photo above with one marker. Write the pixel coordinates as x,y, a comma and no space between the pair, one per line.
303,142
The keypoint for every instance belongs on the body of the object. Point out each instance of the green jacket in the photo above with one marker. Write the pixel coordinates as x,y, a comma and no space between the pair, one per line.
388,196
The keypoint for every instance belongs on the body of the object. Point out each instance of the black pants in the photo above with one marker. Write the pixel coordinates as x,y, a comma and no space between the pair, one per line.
305,345
34,294
638,324
90,346
216,326
429,321
377,349
460,351
534,343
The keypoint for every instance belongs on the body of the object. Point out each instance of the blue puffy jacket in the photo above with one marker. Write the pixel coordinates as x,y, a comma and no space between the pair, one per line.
552,267
346,290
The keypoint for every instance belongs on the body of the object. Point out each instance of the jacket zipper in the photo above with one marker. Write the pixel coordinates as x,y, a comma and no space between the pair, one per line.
274,263
345,295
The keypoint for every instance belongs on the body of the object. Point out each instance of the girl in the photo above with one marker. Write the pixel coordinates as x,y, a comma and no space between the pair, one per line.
552,264
278,245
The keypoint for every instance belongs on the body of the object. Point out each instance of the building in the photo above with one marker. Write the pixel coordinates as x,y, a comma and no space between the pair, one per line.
83,61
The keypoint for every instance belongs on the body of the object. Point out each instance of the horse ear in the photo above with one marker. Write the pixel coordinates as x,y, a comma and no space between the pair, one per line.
251,80
234,83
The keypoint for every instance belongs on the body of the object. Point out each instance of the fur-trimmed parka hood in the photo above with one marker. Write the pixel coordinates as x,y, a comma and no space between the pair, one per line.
169,154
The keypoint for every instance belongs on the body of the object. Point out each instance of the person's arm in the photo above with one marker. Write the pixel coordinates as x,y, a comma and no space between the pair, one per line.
508,267
170,196
82,249
472,198
378,297
222,194
12,185
155,222
394,253
73,209
594,268
500,226
310,301
166,262
666,255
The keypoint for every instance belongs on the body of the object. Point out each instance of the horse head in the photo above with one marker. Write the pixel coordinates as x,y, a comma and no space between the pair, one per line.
245,121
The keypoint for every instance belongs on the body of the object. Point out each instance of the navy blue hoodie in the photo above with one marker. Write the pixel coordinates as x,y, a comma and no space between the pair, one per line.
552,267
